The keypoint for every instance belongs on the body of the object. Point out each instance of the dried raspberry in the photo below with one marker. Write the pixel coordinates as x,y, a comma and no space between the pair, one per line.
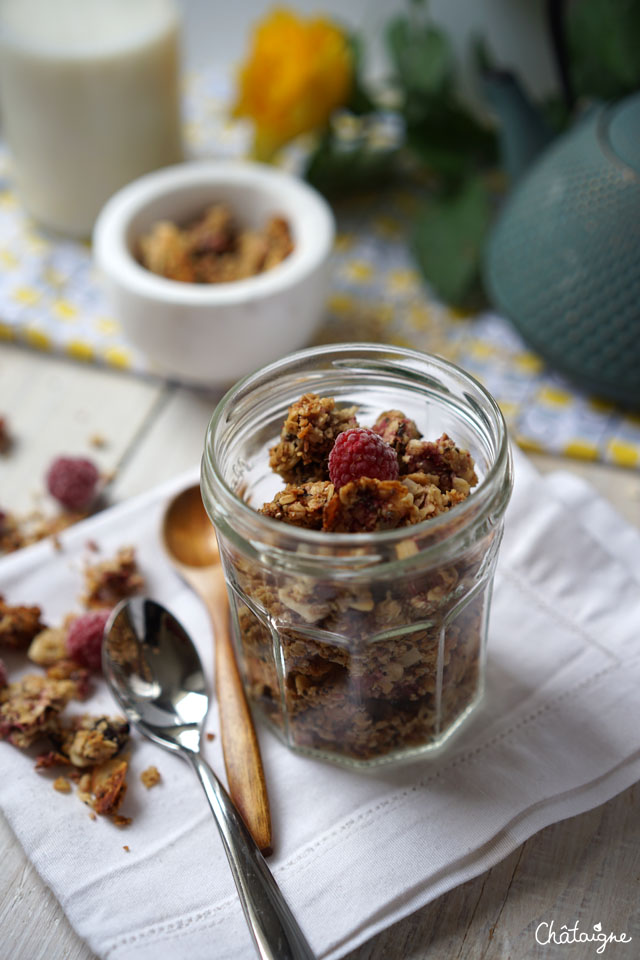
360,452
4,679
72,481
84,639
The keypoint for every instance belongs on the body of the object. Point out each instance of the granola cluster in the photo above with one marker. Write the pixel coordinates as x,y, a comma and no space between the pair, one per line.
19,624
111,580
307,436
89,749
213,249
384,660
21,531
433,475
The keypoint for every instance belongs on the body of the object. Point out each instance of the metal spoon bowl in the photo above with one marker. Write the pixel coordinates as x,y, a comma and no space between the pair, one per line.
190,543
155,673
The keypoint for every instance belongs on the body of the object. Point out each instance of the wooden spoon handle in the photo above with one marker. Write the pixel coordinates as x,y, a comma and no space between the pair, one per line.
242,760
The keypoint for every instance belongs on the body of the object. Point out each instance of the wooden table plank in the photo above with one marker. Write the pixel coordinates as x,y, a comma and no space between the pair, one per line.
31,920
55,407
173,442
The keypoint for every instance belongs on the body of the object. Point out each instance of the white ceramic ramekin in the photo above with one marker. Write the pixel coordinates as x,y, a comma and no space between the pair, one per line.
211,334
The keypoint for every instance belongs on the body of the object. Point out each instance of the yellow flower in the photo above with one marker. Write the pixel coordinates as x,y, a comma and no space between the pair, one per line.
298,72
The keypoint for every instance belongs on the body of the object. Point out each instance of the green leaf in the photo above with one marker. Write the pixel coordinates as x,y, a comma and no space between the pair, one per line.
359,101
439,156
448,239
333,170
421,55
450,141
604,43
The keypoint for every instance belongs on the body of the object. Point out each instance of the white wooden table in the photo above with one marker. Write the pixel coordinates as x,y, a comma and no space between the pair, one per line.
585,869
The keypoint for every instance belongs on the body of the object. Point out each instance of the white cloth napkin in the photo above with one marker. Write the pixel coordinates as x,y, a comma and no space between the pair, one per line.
558,733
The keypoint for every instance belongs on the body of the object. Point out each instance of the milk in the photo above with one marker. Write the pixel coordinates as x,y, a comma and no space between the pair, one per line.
89,99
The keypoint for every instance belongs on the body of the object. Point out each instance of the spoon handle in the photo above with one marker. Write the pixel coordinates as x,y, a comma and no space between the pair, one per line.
242,760
273,927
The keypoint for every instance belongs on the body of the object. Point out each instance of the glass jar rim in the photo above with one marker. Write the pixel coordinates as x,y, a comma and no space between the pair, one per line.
212,478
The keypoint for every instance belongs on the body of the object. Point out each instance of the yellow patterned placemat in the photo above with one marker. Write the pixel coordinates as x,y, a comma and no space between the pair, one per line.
50,299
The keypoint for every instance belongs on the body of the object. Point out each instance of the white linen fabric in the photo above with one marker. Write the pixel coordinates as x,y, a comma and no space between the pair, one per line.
558,733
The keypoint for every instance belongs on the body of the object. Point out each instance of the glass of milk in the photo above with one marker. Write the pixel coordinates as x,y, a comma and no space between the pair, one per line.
89,99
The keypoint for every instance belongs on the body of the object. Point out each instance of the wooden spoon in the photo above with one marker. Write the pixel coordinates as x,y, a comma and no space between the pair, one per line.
190,541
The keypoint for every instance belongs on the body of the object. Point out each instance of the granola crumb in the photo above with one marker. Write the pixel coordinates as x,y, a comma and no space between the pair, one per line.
428,499
84,782
119,821
98,441
300,504
10,535
396,429
150,777
307,436
67,669
210,737
441,458
93,740
92,815
30,708
126,848
62,785
6,440
111,580
21,531
48,646
368,504
19,624
109,785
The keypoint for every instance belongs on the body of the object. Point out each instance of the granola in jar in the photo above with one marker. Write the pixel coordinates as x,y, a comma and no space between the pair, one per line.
361,601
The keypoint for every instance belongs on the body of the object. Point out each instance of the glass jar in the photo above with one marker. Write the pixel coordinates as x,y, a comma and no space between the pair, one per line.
358,647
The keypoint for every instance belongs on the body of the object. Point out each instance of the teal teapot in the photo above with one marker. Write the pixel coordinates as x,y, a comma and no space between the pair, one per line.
563,258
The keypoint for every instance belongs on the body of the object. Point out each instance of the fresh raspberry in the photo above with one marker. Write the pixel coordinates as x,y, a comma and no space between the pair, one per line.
72,481
4,679
84,638
360,452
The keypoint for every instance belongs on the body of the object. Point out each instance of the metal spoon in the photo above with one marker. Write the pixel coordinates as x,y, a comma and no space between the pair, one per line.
190,543
155,673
